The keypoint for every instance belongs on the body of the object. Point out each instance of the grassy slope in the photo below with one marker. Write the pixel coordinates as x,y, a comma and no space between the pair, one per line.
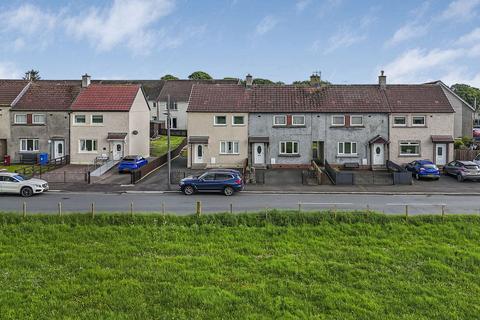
378,270
158,146
15,167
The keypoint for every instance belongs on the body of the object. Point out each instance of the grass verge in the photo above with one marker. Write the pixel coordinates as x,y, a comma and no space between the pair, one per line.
274,265
158,147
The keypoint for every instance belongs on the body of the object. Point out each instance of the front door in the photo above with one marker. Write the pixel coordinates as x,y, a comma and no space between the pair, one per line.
259,153
441,154
378,150
198,153
58,149
117,151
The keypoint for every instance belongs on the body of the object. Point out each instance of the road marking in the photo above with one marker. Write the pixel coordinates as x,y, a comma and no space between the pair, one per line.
325,203
416,204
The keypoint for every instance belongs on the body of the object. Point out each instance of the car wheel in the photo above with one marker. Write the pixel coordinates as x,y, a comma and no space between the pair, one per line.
459,178
228,191
26,192
188,190
417,176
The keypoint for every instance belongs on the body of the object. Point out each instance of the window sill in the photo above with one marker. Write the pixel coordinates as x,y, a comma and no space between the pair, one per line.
347,155
408,155
219,125
289,127
30,124
229,154
238,125
289,155
345,127
88,152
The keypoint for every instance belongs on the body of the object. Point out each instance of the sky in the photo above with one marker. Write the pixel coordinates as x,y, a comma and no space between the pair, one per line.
349,41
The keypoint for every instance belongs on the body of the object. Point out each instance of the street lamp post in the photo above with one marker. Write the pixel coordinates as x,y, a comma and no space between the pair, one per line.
169,157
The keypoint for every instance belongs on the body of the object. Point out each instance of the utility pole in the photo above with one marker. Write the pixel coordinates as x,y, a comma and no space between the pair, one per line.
168,142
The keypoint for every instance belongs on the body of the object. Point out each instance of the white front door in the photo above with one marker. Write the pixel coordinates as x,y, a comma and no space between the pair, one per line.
441,154
378,150
198,153
259,153
58,149
117,151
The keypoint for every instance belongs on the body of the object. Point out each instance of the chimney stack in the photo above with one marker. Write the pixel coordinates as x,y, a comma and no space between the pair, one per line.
315,80
85,80
248,81
382,80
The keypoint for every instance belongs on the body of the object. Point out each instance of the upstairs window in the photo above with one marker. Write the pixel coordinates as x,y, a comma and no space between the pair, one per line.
220,120
79,119
338,121
39,119
20,118
97,119
399,121
238,120
418,121
298,120
356,121
280,120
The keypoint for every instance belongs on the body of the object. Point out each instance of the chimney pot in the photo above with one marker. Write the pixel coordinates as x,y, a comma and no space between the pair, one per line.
315,80
85,80
248,80
382,80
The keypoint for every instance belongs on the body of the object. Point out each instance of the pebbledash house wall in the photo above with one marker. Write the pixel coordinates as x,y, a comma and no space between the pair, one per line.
202,124
318,127
56,126
436,124
138,118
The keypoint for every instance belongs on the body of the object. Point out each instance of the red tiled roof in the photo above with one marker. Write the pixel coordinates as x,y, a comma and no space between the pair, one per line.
104,97
418,98
331,98
9,90
47,95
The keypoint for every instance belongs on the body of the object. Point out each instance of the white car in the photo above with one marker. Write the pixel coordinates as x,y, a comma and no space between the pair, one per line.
11,182
477,160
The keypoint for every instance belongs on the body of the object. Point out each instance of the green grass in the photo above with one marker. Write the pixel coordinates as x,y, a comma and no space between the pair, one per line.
158,147
15,167
279,265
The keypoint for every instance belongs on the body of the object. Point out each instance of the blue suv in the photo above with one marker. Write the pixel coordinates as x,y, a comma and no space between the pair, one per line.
222,180
131,163
423,169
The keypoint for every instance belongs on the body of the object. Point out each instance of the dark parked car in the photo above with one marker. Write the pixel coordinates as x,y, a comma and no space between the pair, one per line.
463,170
423,169
130,163
222,180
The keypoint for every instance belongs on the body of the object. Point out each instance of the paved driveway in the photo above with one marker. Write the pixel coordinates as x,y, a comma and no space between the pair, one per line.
68,173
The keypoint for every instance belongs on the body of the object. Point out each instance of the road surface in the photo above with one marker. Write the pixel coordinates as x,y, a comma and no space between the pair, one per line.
180,204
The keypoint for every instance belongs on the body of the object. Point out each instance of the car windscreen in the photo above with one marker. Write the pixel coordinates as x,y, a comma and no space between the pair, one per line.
471,167
129,159
429,166
19,177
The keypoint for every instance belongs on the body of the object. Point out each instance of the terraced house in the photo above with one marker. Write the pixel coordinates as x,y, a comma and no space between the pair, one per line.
39,120
290,126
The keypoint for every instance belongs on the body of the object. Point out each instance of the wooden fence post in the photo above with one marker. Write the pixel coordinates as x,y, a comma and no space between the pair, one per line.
131,208
443,212
231,207
335,212
24,209
60,209
406,212
163,207
198,210
299,207
92,209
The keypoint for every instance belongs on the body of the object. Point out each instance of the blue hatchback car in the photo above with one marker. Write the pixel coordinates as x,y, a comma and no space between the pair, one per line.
226,181
423,169
130,163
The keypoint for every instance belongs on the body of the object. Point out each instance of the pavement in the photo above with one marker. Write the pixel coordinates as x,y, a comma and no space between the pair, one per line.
180,204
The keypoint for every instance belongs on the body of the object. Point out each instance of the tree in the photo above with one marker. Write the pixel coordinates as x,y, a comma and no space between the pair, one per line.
168,77
307,83
467,93
200,75
32,75
260,81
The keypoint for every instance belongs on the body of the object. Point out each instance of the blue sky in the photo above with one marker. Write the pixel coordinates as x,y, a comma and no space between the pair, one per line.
283,40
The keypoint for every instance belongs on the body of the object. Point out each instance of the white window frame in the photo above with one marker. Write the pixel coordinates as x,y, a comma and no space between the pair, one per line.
235,149
419,125
20,114
36,115
79,123
341,145
238,124
298,124
96,123
356,116
399,125
215,123
171,123
280,116
409,143
285,153
338,125
35,143
94,144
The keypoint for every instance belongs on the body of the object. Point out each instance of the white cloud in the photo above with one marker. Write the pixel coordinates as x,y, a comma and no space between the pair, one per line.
266,25
344,38
471,37
125,22
301,5
407,32
9,71
460,10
